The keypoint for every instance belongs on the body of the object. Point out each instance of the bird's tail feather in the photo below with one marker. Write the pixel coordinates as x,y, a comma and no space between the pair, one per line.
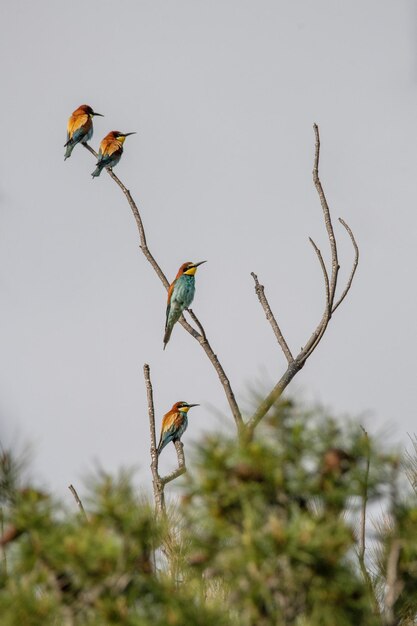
168,331
68,151
97,171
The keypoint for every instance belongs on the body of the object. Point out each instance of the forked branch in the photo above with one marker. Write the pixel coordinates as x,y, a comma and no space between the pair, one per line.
330,286
159,482
201,336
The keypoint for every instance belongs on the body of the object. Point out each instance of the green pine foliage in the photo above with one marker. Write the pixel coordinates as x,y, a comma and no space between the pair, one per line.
65,569
266,519
265,532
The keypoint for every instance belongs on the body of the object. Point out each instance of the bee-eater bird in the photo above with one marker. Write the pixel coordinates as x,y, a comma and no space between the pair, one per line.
174,424
111,150
79,128
180,295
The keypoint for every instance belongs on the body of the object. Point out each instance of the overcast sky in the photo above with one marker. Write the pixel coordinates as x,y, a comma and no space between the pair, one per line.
223,96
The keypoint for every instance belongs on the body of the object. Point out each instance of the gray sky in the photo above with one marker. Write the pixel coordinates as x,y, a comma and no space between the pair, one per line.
223,96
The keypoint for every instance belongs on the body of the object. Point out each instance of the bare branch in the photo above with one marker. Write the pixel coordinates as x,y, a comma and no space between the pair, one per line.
297,363
201,338
159,482
181,469
326,214
198,323
362,533
325,274
260,292
355,265
142,237
78,500
158,487
315,338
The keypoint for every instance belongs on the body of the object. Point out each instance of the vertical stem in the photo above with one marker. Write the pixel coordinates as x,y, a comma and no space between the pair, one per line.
392,582
362,528
158,485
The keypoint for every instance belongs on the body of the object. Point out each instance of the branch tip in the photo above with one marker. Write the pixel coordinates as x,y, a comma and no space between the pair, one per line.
260,292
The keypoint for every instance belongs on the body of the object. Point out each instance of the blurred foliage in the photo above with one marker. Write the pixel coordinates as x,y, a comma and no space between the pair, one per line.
266,520
264,533
61,568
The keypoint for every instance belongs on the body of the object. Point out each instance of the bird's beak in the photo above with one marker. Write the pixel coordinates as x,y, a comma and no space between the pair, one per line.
127,134
199,263
99,114
190,405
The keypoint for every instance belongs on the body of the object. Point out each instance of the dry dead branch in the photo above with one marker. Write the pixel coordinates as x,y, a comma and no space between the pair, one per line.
201,336
330,284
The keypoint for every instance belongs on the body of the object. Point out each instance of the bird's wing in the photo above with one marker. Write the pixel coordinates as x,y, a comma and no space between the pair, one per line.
168,427
170,290
77,123
110,147
108,151
184,292
169,423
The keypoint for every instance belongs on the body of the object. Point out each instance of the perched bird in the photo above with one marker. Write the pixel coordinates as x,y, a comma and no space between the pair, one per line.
79,127
180,295
174,424
111,150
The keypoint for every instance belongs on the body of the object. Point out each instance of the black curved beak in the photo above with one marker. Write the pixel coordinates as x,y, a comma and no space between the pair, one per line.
199,263
127,134
190,405
99,114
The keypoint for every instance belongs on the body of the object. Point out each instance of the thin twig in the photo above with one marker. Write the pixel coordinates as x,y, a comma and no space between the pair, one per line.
325,274
326,214
393,584
362,526
201,338
198,323
362,533
142,236
151,411
317,335
260,292
181,469
354,266
158,487
78,500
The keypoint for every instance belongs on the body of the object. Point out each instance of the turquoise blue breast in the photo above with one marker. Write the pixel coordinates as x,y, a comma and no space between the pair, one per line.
184,290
